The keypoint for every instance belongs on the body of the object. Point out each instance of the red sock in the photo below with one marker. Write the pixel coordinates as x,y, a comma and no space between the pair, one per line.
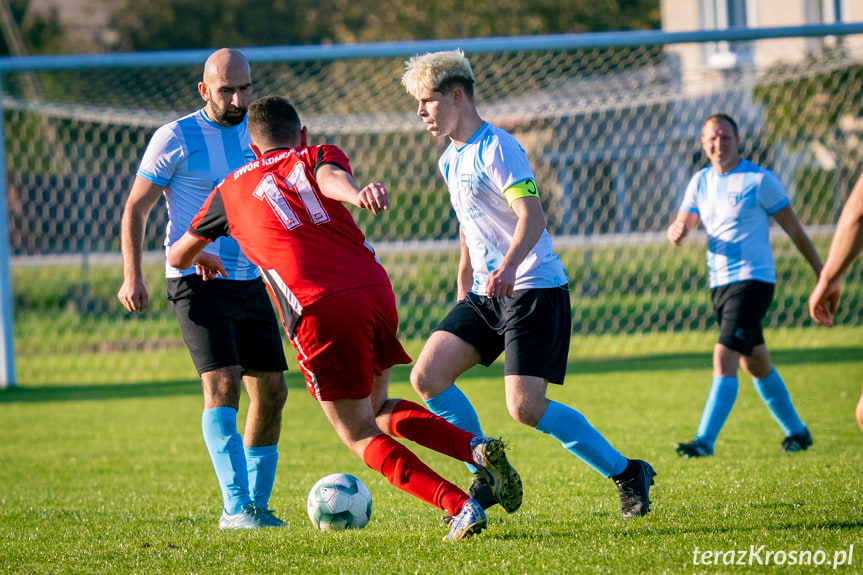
404,470
418,424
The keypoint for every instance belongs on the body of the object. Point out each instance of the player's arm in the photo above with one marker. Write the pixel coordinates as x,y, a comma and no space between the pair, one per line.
684,223
531,224
142,197
464,280
847,241
209,224
188,250
795,231
846,245
337,184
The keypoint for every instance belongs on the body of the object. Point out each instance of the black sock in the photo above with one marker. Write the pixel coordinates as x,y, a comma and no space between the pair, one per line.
629,472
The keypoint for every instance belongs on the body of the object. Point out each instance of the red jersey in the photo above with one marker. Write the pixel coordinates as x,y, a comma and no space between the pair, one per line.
285,225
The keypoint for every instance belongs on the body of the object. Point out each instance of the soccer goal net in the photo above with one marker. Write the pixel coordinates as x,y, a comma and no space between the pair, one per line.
611,126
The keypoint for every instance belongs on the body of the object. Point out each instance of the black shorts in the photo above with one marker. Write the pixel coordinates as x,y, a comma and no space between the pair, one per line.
227,322
740,307
533,328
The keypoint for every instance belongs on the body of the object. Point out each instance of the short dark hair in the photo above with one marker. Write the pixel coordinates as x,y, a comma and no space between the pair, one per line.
448,84
275,120
720,117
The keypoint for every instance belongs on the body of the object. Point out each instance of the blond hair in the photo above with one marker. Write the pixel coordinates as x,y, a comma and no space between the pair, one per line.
438,72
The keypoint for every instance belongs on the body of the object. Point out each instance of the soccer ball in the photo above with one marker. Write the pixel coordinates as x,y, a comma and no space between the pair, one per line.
339,501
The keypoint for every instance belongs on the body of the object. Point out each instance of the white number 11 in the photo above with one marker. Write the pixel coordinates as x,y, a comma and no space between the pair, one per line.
268,190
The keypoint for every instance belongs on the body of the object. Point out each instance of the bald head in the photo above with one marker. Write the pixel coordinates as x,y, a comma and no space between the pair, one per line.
226,86
227,63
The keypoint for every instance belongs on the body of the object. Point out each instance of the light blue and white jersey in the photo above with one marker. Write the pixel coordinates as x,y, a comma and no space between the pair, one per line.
477,174
735,209
189,157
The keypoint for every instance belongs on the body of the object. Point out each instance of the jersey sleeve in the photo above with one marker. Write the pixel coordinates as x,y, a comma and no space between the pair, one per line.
771,193
690,197
329,154
211,221
510,171
161,157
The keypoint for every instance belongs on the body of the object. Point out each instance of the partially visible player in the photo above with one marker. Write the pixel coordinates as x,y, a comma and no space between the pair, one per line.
735,199
846,246
228,325
512,290
337,306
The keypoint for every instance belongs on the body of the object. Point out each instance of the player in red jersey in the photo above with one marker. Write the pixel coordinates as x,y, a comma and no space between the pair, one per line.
337,306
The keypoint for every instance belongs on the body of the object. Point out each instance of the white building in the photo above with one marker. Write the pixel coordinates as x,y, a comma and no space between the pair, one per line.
701,60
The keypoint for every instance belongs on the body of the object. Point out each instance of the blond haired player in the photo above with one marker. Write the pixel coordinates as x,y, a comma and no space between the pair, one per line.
513,295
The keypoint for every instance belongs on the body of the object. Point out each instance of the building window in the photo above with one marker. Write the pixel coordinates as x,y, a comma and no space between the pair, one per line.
721,14
825,11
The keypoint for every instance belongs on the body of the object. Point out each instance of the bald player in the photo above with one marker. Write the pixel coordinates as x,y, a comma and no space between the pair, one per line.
228,324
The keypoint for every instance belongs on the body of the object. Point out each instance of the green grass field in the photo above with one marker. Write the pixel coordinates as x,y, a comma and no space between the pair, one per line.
114,478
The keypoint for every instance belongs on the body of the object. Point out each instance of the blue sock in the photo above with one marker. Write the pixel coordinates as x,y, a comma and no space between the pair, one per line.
454,406
773,392
723,394
581,439
225,446
261,463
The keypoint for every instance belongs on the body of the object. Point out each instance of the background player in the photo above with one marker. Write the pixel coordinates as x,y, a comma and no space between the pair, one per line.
228,325
735,199
338,307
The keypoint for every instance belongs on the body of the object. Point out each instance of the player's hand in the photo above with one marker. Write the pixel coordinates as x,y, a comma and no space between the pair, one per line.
208,266
133,295
374,197
500,282
677,232
824,301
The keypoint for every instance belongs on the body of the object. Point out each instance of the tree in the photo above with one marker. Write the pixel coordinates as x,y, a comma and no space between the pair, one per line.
814,107
41,33
178,24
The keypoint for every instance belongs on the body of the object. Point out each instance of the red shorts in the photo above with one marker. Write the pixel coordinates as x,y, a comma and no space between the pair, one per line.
346,339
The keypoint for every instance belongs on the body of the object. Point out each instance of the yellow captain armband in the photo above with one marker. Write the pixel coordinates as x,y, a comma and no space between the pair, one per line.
525,189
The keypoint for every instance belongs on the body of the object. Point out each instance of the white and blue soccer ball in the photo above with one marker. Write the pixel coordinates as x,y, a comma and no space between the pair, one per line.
339,501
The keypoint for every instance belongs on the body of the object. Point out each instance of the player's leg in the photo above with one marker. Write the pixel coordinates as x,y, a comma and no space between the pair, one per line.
460,341
527,404
259,346
355,423
499,481
537,335
724,384
451,350
209,336
773,392
342,342
537,346
267,394
225,446
719,403
408,420
495,480
755,300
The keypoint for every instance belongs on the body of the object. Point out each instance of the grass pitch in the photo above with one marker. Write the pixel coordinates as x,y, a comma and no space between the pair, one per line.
114,477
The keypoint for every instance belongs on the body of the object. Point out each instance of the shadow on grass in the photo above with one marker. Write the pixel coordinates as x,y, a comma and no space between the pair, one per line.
640,529
401,373
98,391
684,361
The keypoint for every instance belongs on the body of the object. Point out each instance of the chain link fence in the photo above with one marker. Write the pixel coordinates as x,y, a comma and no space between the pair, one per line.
612,134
